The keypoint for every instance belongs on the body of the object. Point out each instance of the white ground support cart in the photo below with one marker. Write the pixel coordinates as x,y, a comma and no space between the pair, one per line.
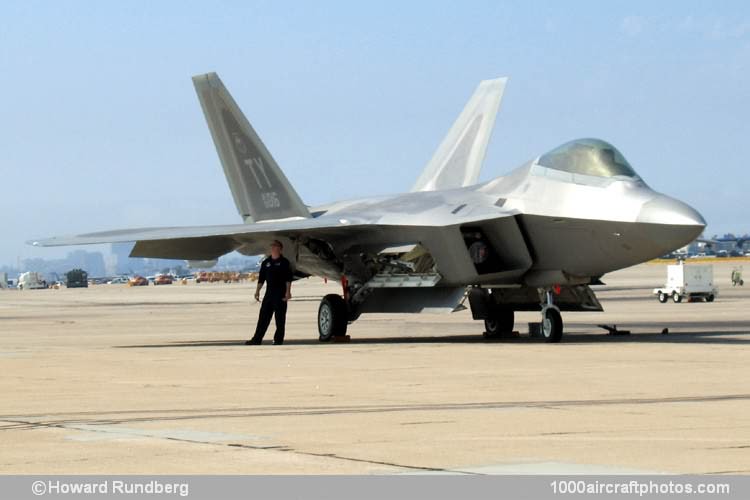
691,282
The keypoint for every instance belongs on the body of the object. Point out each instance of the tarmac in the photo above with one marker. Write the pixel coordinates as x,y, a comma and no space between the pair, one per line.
156,380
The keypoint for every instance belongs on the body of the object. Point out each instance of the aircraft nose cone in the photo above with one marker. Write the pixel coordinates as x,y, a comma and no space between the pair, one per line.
670,223
666,210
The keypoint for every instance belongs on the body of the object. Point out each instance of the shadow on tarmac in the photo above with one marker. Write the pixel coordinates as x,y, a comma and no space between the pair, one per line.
727,337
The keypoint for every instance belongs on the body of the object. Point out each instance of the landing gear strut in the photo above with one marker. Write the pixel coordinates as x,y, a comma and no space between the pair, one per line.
552,324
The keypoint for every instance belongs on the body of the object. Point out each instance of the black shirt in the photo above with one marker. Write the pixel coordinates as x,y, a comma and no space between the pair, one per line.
276,273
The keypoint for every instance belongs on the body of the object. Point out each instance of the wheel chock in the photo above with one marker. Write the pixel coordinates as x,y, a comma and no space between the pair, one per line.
535,330
613,330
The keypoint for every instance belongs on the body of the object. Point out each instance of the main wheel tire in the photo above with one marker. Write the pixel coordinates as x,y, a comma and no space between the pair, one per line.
710,298
552,325
663,297
676,297
332,317
499,323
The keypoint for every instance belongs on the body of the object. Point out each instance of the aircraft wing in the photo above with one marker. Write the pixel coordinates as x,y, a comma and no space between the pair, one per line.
196,242
211,242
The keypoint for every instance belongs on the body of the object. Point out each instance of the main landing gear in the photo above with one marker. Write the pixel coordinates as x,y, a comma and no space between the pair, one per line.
335,313
498,323
333,317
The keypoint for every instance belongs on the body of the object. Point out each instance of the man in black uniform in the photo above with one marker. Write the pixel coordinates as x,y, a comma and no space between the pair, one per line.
277,273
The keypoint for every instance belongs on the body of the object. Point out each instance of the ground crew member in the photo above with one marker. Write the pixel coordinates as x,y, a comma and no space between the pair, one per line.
276,272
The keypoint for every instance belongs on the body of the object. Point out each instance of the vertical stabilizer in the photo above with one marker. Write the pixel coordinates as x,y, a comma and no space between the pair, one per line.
260,189
458,159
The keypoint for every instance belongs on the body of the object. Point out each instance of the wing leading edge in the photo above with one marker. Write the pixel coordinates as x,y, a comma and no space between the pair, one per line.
211,242
196,242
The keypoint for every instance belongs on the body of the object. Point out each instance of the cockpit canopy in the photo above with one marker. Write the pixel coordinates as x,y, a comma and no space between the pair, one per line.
588,157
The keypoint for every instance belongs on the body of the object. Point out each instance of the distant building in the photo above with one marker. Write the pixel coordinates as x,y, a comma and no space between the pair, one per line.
122,261
117,263
710,246
91,262
110,265
125,264
729,242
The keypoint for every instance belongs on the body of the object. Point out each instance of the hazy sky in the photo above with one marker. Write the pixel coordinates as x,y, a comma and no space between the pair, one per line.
100,127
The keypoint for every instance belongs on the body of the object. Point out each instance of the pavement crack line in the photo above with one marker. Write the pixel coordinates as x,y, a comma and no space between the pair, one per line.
97,418
277,448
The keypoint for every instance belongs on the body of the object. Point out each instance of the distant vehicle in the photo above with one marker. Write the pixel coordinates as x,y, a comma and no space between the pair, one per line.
163,279
690,282
31,281
77,278
737,277
138,281
120,280
722,253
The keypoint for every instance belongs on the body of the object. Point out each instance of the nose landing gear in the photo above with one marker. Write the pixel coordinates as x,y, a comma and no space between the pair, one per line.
552,323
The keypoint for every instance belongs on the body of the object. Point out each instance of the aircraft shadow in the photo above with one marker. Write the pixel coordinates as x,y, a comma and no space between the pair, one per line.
684,337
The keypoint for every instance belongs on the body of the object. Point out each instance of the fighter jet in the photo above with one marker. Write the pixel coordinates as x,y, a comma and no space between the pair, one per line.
532,240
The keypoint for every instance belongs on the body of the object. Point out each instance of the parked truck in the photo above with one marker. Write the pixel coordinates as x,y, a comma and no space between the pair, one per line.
31,281
691,282
77,278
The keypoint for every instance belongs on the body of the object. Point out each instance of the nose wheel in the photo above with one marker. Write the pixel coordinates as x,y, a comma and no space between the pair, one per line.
552,323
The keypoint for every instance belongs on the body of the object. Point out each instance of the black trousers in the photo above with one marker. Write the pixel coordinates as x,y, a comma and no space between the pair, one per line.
271,306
